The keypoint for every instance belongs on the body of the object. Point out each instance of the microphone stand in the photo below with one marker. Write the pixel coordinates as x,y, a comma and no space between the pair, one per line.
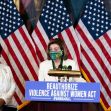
53,64
69,68
60,66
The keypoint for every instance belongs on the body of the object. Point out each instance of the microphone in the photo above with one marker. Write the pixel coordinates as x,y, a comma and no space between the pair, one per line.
70,67
65,67
60,67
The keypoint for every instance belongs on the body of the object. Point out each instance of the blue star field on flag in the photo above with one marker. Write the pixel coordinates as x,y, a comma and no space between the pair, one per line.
54,17
9,18
96,18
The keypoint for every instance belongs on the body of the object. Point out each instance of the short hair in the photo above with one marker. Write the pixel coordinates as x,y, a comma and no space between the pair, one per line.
0,49
61,44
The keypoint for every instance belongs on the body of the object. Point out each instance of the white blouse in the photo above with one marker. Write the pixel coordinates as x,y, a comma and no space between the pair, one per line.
46,65
7,84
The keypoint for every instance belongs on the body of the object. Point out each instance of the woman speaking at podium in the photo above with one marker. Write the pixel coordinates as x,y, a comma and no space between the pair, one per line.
57,59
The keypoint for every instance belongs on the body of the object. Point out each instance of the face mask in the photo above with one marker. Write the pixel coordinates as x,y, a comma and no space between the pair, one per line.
55,55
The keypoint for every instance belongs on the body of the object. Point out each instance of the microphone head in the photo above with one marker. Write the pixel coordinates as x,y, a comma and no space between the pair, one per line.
69,67
64,67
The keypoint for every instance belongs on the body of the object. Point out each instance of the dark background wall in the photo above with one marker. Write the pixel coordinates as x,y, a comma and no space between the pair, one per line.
78,7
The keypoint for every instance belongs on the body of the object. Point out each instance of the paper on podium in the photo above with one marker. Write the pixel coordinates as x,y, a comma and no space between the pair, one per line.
68,73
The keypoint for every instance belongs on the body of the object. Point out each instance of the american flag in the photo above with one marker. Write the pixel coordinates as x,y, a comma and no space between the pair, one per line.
55,22
94,33
18,48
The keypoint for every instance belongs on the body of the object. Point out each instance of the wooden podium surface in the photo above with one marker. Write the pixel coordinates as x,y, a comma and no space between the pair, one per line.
64,73
69,73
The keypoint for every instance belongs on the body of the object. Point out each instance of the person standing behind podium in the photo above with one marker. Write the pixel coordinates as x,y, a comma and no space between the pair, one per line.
7,87
57,58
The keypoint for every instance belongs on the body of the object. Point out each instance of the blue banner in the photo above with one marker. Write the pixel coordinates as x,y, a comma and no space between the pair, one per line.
62,91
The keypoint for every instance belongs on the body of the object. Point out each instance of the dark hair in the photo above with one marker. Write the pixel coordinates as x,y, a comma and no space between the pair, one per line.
0,49
61,44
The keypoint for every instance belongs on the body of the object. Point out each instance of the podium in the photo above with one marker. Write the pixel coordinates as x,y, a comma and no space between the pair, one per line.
57,105
64,73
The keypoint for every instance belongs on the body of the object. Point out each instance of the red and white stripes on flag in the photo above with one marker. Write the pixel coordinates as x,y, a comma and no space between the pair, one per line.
19,53
94,33
96,60
41,40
